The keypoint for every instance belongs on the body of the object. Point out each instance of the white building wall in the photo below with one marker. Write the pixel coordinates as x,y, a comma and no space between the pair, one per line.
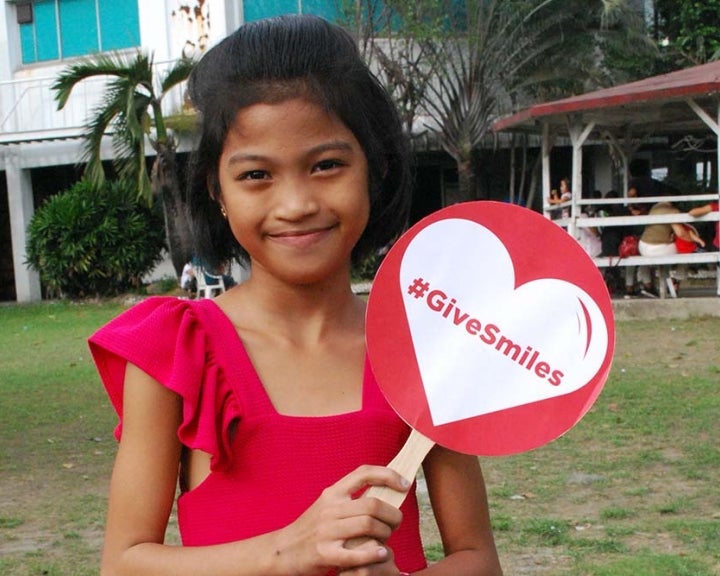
27,107
33,133
8,42
20,205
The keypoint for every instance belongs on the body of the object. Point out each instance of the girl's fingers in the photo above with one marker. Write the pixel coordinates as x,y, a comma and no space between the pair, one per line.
370,527
383,566
366,509
363,517
368,554
365,476
317,538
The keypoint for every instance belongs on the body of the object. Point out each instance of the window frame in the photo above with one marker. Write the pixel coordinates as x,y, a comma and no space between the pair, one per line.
29,40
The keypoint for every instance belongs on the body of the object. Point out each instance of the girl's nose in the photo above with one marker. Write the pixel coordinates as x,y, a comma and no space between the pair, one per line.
295,199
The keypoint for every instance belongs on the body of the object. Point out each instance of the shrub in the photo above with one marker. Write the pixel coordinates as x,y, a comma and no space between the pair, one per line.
94,242
368,267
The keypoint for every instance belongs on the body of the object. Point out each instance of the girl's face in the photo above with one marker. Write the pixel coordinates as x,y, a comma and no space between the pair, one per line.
294,184
563,186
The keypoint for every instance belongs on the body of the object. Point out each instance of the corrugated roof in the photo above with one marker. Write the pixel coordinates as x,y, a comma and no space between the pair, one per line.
656,104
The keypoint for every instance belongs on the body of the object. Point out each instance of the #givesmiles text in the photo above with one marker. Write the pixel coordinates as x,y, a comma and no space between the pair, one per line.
488,333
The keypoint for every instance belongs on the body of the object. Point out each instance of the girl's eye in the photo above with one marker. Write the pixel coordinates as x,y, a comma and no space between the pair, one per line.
253,175
327,165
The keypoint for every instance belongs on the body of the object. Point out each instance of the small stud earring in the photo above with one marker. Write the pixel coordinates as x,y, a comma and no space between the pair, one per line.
223,212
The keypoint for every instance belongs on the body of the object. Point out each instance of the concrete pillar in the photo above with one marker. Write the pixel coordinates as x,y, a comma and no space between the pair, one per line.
8,41
20,204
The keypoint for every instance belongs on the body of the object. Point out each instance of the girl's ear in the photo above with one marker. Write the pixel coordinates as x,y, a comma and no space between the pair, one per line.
212,187
214,193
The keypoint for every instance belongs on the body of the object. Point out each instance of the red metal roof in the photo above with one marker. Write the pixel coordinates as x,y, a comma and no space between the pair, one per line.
656,103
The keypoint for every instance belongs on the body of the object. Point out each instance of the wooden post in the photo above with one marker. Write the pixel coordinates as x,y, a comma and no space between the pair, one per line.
578,136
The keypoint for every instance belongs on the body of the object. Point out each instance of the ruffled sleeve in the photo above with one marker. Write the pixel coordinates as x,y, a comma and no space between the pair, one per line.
169,340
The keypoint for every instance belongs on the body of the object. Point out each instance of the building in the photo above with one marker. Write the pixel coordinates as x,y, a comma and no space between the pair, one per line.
40,147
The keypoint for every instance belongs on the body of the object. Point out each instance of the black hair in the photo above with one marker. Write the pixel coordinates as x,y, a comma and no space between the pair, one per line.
275,60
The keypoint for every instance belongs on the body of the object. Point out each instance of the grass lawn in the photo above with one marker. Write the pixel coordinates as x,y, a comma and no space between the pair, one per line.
631,490
56,444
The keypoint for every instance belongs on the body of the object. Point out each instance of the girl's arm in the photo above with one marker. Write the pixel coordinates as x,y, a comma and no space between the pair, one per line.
700,210
459,500
142,492
687,233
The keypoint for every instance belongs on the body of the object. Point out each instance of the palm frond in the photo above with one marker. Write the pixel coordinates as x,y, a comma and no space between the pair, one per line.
129,152
123,114
100,124
129,140
133,168
110,64
177,74
92,146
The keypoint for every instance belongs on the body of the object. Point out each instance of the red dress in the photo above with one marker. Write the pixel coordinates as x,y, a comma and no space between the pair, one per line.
272,467
716,240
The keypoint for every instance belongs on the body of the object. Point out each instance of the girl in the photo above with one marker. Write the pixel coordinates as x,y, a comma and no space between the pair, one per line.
565,195
261,401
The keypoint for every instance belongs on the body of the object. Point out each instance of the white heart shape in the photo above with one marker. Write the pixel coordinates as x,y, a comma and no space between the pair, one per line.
481,344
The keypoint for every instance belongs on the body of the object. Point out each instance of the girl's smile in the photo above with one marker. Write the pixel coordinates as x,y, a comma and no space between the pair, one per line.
301,238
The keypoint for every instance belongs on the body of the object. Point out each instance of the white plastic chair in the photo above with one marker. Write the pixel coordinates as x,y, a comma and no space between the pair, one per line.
208,284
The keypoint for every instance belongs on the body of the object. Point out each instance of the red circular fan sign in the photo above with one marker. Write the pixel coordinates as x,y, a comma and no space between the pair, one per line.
489,329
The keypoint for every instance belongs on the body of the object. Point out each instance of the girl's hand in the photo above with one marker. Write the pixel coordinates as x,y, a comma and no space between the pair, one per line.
386,567
315,542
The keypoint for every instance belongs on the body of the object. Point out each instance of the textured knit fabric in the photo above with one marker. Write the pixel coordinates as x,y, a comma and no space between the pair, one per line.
659,233
274,466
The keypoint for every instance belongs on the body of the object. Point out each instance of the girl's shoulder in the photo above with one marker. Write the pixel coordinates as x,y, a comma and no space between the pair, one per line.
182,344
157,326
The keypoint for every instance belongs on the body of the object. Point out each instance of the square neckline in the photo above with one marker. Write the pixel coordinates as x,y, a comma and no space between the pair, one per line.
241,364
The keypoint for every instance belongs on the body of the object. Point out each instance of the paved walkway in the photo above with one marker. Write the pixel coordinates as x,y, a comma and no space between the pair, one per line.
696,297
685,306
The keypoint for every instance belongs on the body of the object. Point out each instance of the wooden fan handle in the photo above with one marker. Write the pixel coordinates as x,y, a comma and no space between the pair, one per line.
406,463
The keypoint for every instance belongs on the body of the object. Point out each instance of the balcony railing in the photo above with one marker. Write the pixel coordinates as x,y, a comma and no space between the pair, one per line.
28,110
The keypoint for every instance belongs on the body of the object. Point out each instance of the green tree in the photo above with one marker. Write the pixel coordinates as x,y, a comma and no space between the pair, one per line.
602,43
87,242
449,62
462,63
688,31
130,112
397,37
485,55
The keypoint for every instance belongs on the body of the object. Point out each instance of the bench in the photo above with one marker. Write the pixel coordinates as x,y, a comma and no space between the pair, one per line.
664,282
574,222
690,259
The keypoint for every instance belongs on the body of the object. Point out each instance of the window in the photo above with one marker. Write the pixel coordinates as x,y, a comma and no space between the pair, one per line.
257,9
67,28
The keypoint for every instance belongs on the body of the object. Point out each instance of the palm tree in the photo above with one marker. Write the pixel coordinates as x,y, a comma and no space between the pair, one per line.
485,53
602,43
465,62
131,110
397,38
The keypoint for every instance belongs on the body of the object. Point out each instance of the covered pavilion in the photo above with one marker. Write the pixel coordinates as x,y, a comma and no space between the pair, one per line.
681,103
